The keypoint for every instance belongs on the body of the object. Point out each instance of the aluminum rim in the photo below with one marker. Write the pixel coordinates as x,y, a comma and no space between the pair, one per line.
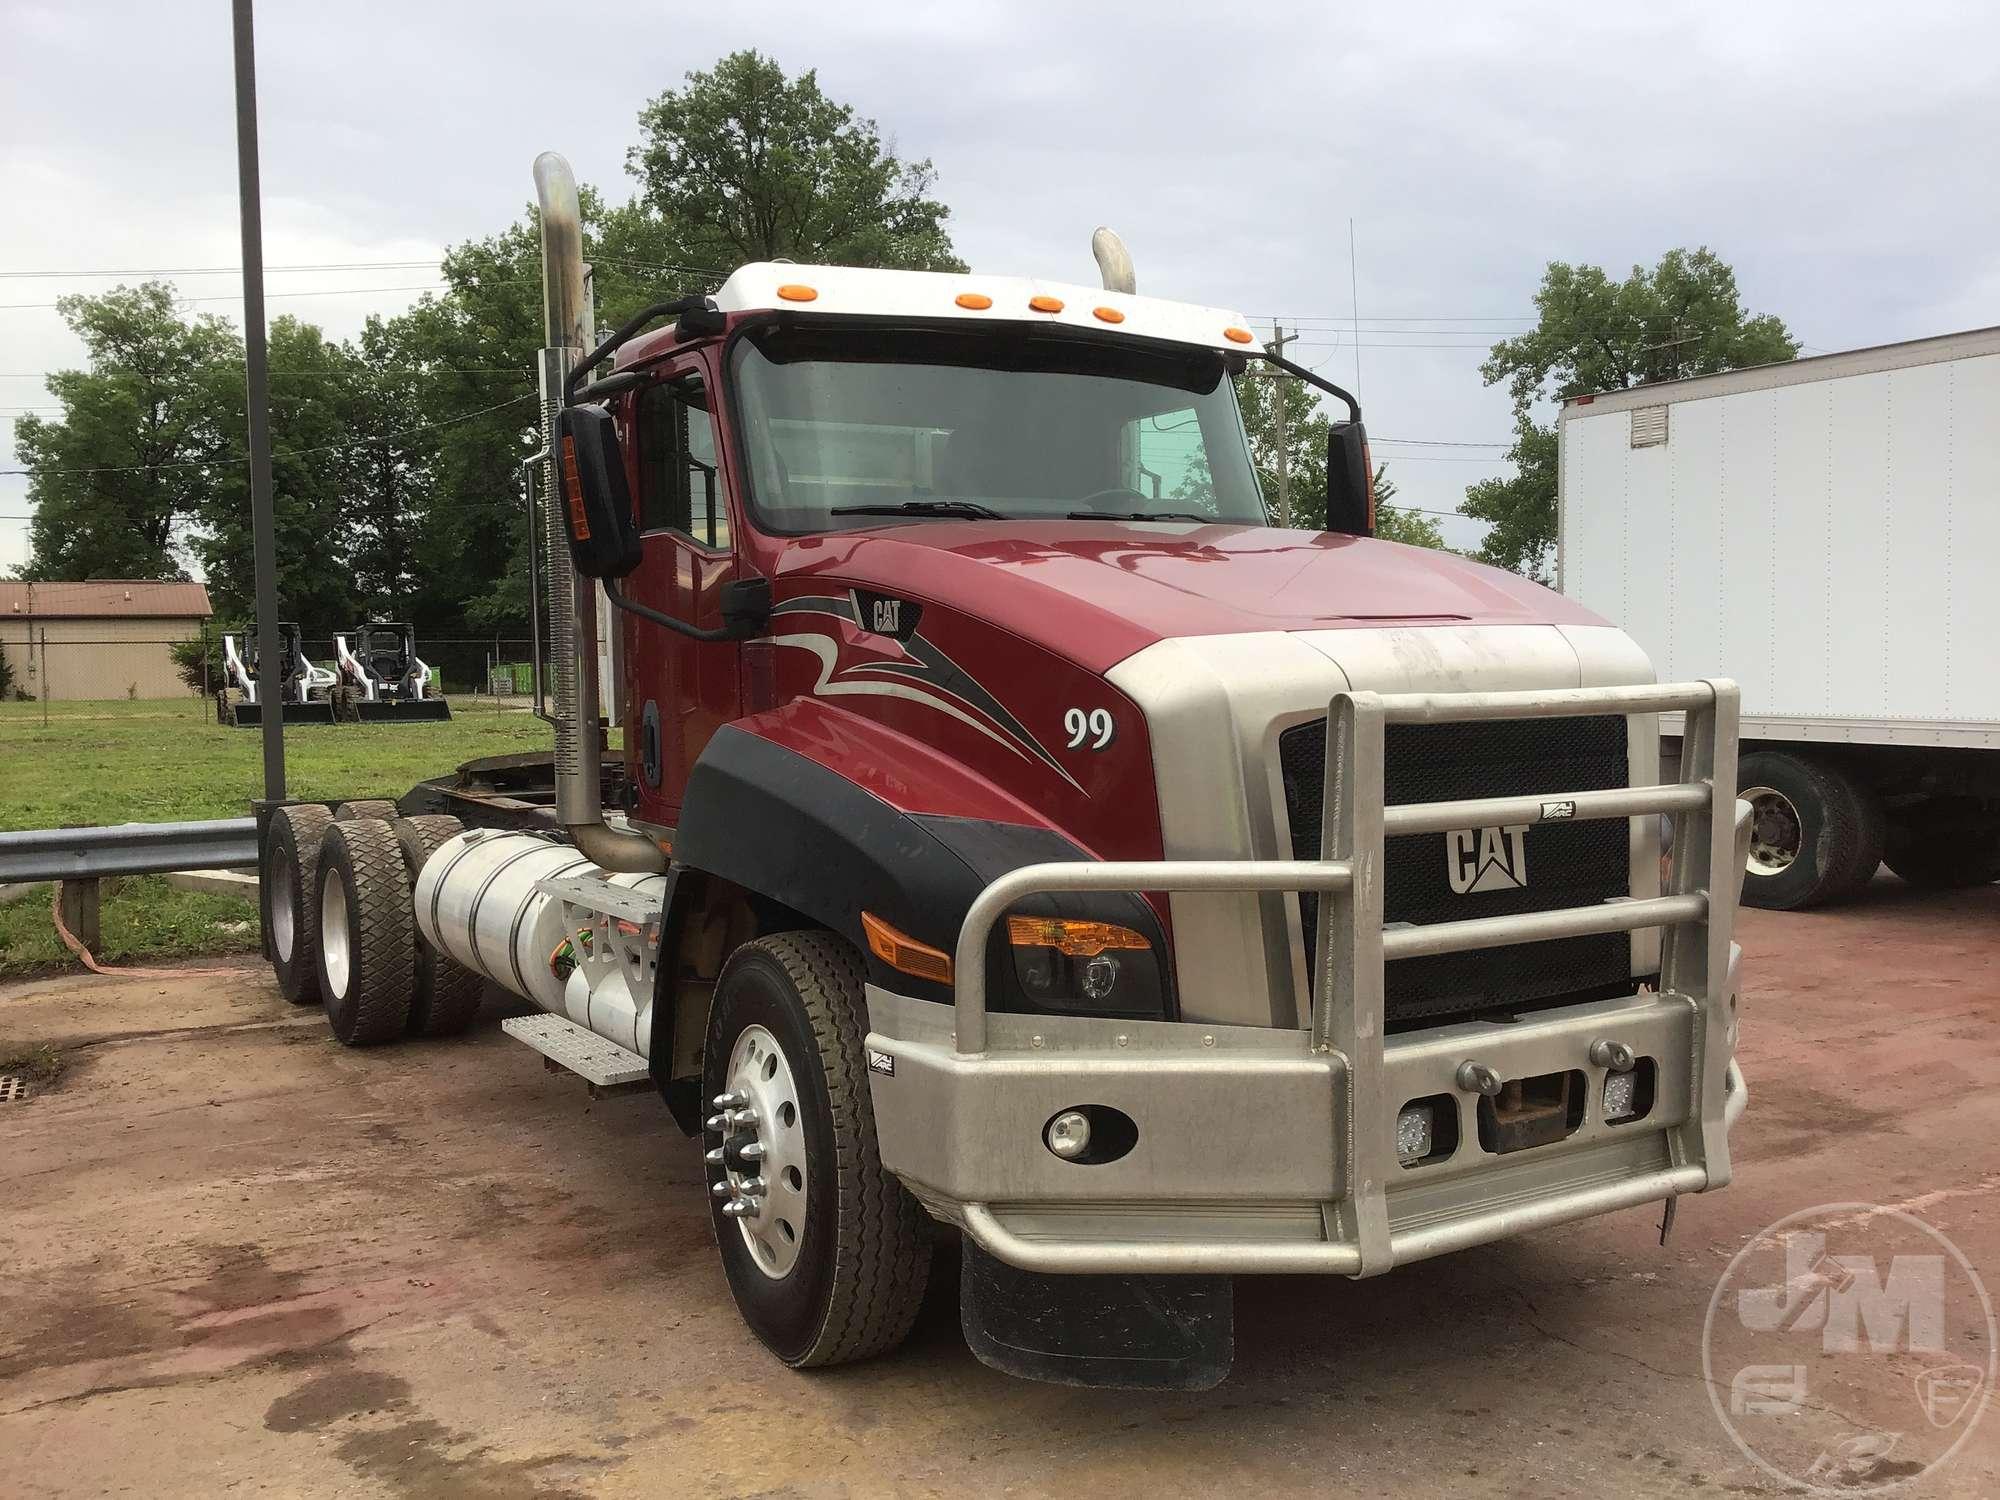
1776,832
284,920
763,1152
333,935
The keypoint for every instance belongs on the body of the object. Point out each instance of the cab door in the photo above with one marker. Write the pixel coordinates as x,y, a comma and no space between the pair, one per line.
678,690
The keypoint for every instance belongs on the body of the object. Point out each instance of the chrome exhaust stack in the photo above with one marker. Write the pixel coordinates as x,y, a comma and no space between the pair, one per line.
579,759
1114,261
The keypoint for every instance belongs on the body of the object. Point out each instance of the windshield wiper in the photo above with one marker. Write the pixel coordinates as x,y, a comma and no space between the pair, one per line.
966,509
1136,515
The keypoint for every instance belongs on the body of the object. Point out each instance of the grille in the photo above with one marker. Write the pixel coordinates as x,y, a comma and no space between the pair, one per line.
1567,864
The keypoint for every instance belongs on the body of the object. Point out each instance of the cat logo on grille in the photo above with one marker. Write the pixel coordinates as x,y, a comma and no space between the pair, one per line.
1486,859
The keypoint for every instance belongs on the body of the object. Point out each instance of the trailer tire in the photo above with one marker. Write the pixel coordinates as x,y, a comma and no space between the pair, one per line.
364,807
854,1285
447,994
1813,829
291,885
1936,860
367,933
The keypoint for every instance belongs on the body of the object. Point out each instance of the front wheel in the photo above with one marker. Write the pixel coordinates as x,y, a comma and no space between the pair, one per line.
826,1253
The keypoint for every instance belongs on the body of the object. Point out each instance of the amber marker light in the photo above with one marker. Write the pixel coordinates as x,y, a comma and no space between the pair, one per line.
1046,304
1239,335
792,291
1109,314
976,301
904,953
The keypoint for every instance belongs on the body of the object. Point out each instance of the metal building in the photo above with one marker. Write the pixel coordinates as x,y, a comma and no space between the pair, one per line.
108,638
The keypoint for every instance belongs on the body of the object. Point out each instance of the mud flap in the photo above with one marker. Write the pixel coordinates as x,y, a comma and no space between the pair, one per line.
1161,1333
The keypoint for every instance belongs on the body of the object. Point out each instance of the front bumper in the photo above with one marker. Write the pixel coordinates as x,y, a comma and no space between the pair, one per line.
1274,1150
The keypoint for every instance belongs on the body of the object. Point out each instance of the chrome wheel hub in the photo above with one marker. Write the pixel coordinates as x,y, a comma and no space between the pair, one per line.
333,936
1776,833
762,1155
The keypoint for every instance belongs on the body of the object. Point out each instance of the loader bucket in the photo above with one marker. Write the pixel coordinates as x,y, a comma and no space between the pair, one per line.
250,715
404,711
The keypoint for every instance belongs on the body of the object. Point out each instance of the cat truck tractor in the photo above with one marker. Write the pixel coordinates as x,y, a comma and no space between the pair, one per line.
302,688
383,678
1021,841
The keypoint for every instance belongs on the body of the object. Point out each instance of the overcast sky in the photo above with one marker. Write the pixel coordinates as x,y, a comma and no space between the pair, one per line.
1843,160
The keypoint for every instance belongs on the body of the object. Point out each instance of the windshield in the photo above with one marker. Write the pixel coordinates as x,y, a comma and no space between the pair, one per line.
845,425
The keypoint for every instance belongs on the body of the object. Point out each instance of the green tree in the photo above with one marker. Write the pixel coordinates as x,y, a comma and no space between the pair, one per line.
313,440
118,477
1683,317
747,164
1395,523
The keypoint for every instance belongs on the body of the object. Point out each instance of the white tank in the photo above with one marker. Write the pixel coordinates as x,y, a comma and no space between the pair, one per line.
476,900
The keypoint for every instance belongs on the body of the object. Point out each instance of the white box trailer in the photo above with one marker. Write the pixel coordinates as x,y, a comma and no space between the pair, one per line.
1829,531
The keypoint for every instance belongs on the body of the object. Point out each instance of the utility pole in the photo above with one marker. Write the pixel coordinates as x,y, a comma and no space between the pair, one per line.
264,544
1276,348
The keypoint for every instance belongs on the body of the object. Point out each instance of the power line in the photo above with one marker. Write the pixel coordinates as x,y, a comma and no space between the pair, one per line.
206,463
328,291
331,265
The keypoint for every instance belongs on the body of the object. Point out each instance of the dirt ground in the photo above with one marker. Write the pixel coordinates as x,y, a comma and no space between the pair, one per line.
235,1258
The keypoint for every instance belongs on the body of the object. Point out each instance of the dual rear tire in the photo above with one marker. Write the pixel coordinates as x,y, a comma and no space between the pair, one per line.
1816,832
343,925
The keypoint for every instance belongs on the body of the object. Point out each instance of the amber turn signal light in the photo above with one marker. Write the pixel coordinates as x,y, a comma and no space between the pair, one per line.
977,301
791,291
1046,304
1070,937
904,953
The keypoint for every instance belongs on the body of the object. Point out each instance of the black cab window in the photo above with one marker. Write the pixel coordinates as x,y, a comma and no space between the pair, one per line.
680,474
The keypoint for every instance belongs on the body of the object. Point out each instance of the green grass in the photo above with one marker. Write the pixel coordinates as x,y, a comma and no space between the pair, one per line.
159,762
144,918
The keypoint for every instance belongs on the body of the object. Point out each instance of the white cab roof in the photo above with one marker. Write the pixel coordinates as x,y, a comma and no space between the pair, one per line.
945,294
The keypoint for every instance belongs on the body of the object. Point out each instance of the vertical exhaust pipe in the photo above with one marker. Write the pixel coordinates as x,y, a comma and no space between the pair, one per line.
1114,261
579,759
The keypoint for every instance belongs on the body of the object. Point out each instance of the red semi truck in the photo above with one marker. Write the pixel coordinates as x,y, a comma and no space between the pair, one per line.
1016,832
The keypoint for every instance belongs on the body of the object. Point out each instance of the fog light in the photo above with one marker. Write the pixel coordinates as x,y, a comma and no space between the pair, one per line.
1413,1133
1620,1091
1069,1134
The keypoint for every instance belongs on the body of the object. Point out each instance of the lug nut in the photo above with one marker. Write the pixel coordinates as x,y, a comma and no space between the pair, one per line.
740,1208
715,1156
717,1122
752,1152
742,1119
731,1100
722,1190
752,1187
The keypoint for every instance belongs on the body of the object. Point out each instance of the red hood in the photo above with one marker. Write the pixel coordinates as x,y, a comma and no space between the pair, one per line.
1096,592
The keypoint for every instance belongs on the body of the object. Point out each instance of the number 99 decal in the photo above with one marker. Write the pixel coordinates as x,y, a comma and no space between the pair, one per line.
1093,728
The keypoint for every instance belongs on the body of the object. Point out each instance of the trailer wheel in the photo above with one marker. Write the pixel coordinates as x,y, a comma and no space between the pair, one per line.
1945,859
367,933
1814,835
291,889
826,1253
446,998
364,807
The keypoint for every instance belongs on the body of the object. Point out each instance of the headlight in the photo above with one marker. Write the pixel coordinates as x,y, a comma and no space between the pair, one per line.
1092,967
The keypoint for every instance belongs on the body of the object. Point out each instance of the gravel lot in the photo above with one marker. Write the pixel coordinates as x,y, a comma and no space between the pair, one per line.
240,1259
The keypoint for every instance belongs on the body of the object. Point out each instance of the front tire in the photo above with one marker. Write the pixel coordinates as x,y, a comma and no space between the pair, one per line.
785,1035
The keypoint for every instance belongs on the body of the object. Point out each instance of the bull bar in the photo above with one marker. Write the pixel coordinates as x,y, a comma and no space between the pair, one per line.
1366,1076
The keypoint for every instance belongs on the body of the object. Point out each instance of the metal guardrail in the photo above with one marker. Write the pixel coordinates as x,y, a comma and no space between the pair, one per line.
126,849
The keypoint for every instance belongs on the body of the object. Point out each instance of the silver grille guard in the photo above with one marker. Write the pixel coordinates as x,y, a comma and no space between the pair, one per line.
1710,828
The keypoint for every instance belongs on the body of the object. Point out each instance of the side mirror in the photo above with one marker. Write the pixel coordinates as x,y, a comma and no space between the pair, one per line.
597,502
1350,480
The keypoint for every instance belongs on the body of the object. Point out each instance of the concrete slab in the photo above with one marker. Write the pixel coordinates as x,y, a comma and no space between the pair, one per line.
242,884
243,1258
